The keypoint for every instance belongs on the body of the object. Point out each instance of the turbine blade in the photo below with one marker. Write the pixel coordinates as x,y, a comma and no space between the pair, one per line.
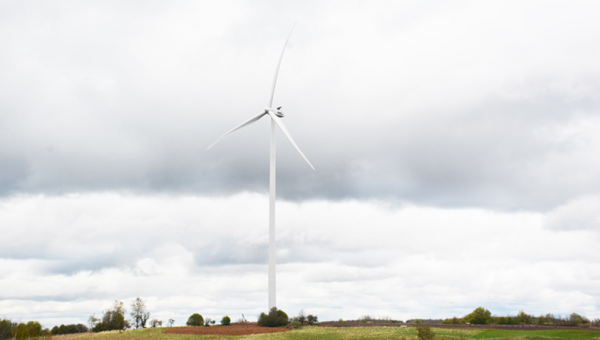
279,64
246,123
281,126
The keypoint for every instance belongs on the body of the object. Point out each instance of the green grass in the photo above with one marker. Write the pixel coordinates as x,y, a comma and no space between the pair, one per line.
367,333
541,334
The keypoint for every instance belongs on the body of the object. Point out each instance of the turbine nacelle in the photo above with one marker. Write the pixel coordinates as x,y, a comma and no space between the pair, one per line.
278,113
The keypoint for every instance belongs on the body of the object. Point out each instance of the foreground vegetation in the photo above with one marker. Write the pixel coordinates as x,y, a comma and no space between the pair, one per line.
114,325
375,333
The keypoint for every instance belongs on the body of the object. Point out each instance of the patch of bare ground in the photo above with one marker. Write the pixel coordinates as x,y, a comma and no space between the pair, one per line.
232,330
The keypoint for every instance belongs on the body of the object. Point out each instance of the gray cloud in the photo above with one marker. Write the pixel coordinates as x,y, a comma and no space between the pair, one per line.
111,98
15,170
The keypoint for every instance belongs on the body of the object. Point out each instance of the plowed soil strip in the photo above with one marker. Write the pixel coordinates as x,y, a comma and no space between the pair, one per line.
225,330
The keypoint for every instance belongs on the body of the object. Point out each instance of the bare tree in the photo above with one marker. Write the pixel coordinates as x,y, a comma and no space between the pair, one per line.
301,317
365,318
155,323
92,321
171,322
139,313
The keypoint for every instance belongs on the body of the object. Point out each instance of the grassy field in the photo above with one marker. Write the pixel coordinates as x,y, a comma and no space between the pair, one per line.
306,333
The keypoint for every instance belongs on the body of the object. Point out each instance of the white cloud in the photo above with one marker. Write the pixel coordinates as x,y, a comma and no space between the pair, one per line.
67,257
581,214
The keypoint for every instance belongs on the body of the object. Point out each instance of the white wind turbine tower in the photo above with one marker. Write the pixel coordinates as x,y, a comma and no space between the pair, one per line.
276,116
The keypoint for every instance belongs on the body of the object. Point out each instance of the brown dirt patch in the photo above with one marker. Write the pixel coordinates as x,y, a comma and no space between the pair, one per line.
225,330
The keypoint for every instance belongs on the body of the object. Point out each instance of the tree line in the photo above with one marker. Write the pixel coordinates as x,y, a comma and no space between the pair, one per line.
275,318
482,316
114,318
33,329
21,330
69,329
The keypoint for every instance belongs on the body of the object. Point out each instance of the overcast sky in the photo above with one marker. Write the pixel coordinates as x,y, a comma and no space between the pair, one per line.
456,147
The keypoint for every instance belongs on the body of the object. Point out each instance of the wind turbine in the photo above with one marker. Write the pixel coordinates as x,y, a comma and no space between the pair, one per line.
276,120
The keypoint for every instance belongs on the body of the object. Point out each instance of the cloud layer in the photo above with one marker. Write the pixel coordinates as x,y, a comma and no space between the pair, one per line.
455,145
473,105
64,258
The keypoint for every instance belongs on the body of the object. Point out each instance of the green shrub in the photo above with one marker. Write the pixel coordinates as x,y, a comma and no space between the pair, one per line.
341,320
294,325
272,321
195,320
112,319
226,321
281,314
5,328
20,332
34,329
275,318
479,316
117,321
425,333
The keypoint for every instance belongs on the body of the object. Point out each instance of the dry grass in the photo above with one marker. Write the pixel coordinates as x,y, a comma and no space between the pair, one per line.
367,333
